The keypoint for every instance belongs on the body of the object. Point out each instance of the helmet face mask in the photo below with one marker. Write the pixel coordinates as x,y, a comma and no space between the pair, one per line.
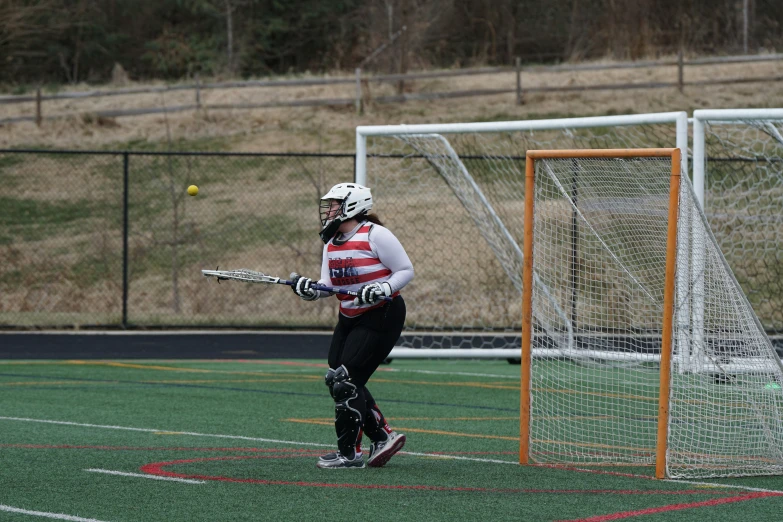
354,202
331,209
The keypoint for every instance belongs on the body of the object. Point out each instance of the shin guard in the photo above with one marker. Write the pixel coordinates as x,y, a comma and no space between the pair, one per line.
349,407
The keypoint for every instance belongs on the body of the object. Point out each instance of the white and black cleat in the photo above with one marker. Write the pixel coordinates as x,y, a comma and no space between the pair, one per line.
336,460
381,452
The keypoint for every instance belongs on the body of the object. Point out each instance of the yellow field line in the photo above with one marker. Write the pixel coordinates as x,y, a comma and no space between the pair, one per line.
181,381
395,419
490,385
595,445
330,422
25,363
650,451
115,364
597,394
413,430
516,418
506,387
603,465
38,383
217,381
456,384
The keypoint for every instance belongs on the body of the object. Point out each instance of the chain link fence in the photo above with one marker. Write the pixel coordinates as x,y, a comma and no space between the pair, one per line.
100,239
111,239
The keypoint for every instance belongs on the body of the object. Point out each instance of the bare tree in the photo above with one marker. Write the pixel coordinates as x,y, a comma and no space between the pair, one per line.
24,23
227,8
83,19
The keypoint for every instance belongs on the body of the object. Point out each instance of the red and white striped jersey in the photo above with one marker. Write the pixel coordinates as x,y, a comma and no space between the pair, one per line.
372,255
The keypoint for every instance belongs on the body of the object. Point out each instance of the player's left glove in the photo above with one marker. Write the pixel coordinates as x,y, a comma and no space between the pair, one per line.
372,293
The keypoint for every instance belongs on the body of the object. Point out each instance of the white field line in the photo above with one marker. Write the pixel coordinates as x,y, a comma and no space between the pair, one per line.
240,437
142,475
465,374
457,457
297,443
697,483
58,516
382,371
167,432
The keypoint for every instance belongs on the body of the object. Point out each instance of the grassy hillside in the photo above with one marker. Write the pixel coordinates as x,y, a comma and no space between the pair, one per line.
332,129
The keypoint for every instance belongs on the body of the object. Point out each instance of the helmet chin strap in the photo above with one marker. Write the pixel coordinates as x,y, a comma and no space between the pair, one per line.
330,230
331,227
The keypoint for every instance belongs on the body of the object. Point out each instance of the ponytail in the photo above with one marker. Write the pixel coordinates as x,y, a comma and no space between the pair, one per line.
373,218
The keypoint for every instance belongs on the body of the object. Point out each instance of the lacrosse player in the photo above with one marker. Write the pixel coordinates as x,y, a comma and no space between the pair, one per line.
360,254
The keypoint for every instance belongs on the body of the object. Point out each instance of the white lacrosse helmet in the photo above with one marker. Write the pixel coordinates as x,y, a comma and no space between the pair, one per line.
355,201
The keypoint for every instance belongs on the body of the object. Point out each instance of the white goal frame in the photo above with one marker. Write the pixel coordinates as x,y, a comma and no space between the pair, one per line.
678,119
700,119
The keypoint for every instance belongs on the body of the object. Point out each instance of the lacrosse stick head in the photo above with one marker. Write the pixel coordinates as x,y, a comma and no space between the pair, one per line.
242,274
343,202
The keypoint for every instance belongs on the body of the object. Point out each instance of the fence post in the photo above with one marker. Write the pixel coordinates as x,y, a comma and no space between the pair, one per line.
358,101
680,71
520,99
38,115
125,176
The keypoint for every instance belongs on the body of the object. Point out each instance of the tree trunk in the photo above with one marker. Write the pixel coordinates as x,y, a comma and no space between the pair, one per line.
403,62
230,34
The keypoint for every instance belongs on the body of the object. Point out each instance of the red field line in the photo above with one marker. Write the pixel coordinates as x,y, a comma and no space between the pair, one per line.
162,448
596,471
156,468
676,507
280,363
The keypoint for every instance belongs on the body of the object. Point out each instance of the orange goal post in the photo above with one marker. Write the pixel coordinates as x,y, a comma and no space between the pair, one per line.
639,347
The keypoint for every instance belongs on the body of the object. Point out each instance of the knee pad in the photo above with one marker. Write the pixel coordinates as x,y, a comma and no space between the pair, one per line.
343,390
329,380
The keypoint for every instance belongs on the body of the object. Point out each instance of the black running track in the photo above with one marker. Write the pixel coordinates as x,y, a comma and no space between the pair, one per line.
216,344
164,345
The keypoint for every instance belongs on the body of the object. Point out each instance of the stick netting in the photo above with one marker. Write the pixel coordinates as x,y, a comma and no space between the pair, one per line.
600,246
456,202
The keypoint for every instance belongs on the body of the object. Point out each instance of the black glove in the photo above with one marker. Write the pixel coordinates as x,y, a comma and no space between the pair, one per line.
372,293
302,287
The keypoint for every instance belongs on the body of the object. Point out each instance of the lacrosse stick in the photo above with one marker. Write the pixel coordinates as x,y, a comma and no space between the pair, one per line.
251,276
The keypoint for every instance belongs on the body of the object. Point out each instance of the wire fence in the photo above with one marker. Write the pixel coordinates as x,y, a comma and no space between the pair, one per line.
107,239
111,239
514,79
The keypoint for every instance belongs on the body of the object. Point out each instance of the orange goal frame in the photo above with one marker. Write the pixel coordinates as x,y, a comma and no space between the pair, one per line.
669,289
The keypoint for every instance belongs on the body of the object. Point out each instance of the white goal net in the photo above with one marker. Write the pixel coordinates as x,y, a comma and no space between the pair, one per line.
454,196
601,238
738,174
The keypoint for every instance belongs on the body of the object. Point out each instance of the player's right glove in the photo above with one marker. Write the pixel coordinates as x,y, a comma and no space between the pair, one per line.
372,293
302,287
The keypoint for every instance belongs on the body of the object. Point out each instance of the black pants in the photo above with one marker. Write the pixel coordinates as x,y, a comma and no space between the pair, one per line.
361,344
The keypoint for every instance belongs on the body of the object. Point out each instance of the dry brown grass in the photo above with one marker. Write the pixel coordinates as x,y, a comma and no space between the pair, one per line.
332,129
465,258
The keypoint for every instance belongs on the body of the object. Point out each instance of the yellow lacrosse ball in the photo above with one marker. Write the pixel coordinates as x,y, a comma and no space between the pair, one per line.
193,190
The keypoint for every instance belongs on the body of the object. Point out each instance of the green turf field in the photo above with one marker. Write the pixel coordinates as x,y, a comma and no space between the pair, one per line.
237,440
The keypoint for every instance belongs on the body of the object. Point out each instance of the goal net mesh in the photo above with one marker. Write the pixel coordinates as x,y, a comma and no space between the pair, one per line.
456,202
600,246
743,194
